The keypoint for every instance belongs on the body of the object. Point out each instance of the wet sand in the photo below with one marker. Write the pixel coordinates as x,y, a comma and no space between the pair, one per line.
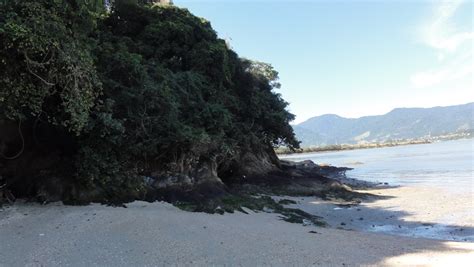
157,234
414,211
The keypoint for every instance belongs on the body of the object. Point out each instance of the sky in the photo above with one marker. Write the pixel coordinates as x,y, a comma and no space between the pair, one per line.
353,58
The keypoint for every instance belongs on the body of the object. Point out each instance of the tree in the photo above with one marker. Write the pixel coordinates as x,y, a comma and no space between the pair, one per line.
45,56
140,90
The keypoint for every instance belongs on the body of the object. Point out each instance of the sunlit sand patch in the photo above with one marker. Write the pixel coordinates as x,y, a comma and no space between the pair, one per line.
422,212
426,204
461,254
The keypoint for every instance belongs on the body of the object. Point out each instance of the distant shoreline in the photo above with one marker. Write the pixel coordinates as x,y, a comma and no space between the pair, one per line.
342,147
285,151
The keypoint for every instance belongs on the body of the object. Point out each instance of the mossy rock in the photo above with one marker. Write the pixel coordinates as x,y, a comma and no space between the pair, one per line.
257,203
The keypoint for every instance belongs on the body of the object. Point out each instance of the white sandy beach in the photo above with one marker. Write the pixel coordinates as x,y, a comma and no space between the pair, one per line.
157,234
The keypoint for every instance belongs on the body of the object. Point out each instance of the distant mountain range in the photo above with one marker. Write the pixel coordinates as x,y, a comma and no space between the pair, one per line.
400,123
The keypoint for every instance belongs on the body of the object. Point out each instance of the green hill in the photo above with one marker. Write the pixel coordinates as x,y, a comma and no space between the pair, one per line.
400,123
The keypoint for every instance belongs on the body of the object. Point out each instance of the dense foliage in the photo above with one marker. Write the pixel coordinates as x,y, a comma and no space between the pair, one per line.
46,62
139,89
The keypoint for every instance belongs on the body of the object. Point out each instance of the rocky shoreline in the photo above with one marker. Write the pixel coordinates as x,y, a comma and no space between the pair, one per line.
253,192
247,223
297,192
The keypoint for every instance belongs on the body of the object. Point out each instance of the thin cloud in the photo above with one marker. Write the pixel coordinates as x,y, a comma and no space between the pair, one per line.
457,68
452,47
434,77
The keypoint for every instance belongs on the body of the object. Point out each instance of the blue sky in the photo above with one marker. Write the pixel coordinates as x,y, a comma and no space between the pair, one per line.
353,58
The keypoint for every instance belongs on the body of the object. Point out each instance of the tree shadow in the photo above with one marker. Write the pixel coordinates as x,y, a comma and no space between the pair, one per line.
162,231
420,236
387,220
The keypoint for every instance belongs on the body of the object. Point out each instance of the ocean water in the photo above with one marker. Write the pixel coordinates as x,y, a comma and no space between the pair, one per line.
448,164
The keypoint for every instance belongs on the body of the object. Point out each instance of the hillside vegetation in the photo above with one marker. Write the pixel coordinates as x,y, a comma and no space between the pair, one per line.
399,124
95,104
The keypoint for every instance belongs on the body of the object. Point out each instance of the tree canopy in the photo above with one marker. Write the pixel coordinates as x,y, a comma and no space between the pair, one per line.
134,90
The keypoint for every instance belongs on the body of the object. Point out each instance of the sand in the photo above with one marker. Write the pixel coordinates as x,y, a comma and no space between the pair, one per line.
157,234
414,211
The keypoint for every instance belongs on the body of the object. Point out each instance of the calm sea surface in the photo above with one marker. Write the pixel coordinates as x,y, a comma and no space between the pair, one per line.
446,164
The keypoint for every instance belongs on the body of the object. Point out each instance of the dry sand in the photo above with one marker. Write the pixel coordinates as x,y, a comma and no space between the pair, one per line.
157,234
